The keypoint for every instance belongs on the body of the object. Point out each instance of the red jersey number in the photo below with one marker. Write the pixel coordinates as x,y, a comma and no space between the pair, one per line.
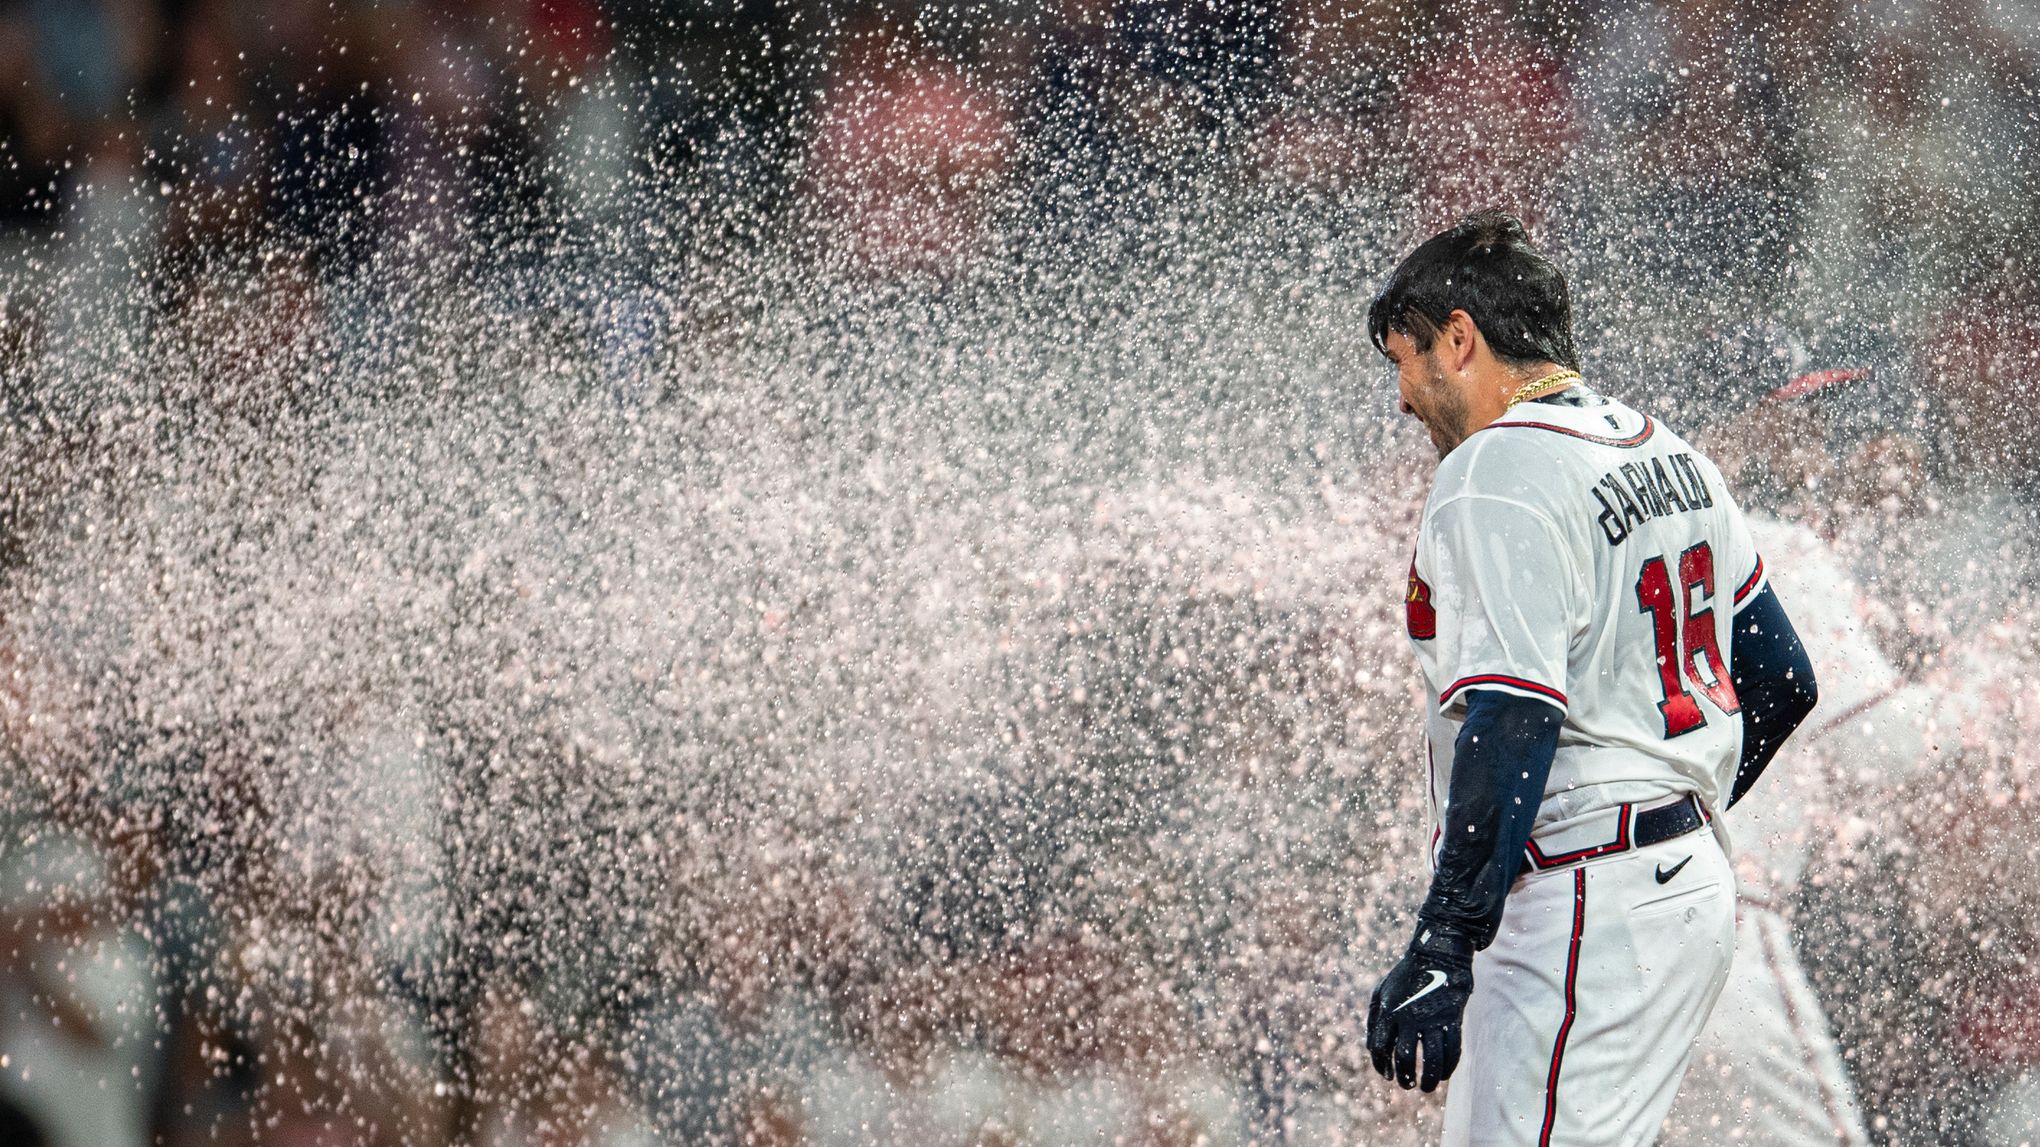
1683,628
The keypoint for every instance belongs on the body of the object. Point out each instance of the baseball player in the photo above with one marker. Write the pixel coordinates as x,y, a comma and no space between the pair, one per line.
1767,1066
1606,669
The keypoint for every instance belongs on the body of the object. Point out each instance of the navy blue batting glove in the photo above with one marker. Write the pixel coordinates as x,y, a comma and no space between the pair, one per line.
1421,1002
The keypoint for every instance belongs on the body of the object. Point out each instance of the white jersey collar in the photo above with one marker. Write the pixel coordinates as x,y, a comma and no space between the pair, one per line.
1608,421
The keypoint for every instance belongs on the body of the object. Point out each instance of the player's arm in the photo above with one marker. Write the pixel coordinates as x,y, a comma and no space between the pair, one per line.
1773,680
1499,767
1508,609
1507,597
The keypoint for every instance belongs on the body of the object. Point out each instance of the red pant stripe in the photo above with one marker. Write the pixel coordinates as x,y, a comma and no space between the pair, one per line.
1572,972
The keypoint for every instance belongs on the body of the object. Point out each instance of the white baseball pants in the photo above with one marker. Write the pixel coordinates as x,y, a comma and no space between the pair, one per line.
1767,1072
1586,1007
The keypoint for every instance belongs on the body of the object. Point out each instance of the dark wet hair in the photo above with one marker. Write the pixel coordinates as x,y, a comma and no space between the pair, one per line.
1483,265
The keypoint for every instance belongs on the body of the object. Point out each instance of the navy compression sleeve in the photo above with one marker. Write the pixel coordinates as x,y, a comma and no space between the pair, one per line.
1773,681
1499,766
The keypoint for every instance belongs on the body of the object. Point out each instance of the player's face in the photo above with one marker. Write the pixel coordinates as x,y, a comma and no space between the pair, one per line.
1426,392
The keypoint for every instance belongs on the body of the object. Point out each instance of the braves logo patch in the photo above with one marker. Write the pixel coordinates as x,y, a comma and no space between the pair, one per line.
1418,614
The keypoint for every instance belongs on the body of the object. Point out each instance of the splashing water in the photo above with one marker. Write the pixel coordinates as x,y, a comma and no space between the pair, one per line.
909,652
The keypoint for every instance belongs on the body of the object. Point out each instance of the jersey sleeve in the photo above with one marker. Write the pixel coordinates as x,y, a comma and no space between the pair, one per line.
1507,593
1748,589
1738,559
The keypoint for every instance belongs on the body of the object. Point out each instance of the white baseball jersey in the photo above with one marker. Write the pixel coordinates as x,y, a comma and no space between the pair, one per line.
1589,557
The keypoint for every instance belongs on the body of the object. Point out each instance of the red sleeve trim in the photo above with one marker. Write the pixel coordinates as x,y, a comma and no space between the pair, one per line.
1500,679
1749,587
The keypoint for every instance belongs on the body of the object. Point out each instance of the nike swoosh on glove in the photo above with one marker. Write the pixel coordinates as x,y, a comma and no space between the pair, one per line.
1421,1002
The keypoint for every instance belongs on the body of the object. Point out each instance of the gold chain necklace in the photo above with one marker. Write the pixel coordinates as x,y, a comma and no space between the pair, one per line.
1537,388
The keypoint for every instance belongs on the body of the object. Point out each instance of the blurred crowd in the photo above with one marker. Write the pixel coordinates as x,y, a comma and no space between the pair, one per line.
1696,164
1711,172
1874,146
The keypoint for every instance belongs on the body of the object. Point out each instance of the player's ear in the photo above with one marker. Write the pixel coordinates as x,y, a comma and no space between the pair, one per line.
1458,339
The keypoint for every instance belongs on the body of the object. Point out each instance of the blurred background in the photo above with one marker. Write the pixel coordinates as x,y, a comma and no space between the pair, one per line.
825,572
